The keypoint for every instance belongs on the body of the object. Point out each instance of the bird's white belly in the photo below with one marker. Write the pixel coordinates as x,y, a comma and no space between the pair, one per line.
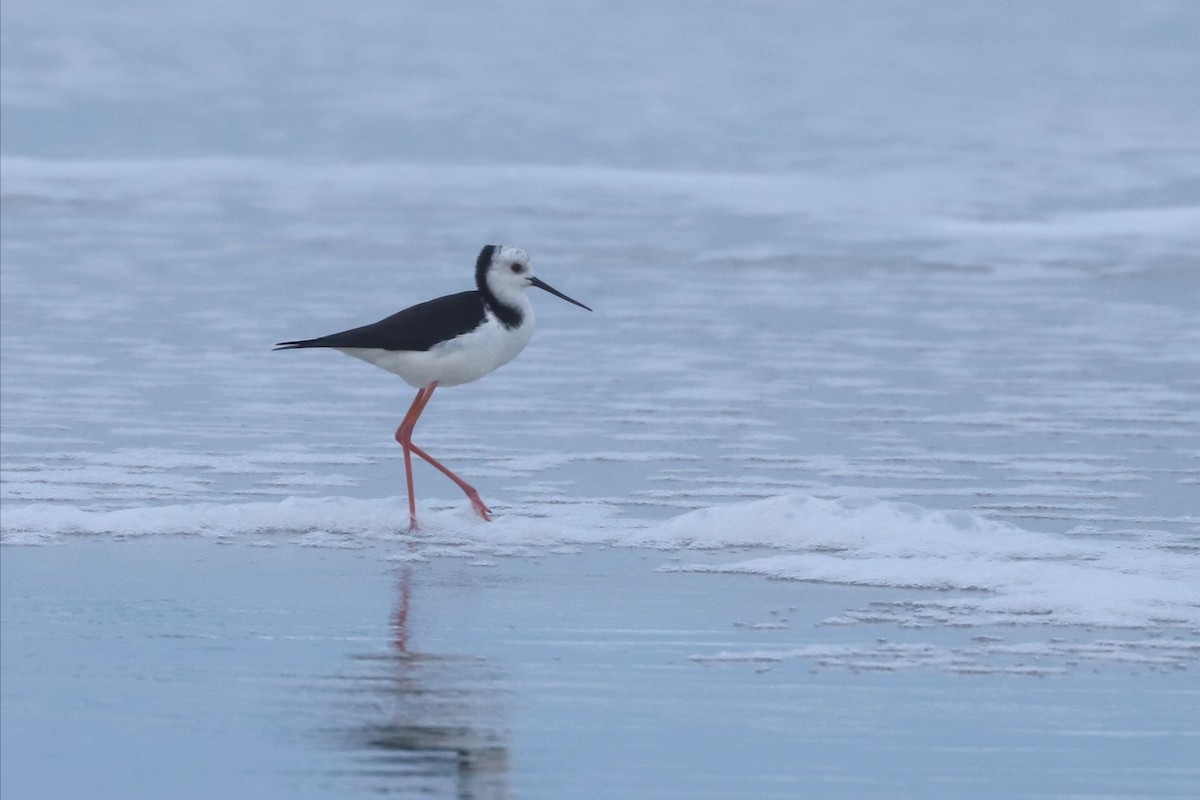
463,359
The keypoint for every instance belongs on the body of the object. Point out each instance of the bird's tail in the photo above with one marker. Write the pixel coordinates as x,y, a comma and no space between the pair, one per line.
298,344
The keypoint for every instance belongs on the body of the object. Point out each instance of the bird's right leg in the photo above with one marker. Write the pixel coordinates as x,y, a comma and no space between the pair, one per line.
404,437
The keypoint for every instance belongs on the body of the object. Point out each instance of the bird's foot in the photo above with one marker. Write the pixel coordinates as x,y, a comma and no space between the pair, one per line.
477,504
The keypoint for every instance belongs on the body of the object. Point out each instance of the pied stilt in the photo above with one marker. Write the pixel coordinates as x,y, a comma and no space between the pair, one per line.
449,341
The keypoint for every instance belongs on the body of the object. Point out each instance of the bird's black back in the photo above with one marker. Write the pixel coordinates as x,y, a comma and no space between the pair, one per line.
419,327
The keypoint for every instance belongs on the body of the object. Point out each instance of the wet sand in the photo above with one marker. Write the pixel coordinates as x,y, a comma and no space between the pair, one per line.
174,667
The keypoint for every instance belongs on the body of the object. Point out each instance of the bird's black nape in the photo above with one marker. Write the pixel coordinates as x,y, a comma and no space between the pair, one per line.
510,316
481,266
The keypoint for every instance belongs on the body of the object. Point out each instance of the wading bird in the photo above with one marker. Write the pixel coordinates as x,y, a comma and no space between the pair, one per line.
449,341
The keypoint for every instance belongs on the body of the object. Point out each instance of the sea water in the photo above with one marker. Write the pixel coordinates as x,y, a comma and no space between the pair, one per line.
895,352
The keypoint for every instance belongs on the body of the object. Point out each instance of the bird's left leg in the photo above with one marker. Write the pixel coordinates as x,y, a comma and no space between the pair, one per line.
472,494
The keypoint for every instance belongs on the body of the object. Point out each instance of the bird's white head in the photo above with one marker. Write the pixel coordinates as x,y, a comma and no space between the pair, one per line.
503,273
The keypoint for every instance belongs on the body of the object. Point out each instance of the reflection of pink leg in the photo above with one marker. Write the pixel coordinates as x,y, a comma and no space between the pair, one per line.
401,619
404,437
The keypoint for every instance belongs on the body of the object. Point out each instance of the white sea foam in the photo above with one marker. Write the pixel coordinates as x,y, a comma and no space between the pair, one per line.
1010,574
308,520
984,571
986,655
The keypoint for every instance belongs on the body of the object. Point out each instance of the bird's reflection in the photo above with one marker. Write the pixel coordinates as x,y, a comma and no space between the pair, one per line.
434,724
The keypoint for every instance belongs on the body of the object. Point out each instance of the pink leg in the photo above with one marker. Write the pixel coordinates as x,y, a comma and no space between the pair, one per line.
404,437
472,495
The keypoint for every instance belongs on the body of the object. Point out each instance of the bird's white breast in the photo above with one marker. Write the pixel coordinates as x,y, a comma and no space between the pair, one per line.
465,358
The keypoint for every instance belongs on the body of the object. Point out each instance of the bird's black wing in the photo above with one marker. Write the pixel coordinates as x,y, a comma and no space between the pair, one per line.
417,328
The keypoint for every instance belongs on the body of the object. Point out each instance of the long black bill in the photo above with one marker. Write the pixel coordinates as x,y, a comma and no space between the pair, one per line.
543,285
